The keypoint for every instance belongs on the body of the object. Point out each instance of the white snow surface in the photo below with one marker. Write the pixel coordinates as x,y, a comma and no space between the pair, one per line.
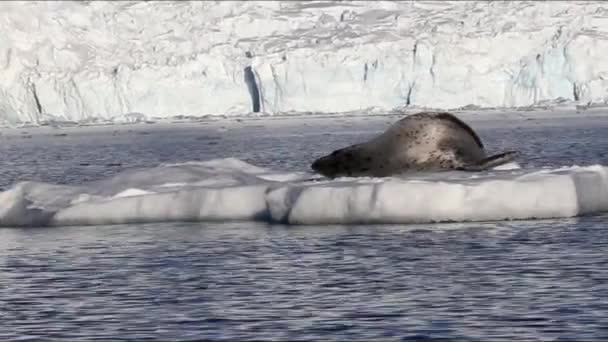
230,189
132,61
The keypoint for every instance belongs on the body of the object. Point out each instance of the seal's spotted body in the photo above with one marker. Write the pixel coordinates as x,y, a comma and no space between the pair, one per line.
420,142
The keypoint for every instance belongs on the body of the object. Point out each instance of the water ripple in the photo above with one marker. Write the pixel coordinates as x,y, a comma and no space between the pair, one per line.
505,281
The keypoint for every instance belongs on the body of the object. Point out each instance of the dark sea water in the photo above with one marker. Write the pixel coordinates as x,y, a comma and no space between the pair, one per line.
544,280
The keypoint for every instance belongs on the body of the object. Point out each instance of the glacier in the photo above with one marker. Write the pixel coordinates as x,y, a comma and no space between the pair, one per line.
229,189
125,61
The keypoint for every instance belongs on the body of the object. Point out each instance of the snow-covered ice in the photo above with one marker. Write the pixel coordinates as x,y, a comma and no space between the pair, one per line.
126,61
230,189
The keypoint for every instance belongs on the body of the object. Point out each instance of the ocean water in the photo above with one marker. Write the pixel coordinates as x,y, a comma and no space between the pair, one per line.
537,280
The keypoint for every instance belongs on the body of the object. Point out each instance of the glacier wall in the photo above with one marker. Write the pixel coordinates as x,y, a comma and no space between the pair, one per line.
93,61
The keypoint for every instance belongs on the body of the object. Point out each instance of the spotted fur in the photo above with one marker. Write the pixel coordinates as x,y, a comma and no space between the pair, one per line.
427,141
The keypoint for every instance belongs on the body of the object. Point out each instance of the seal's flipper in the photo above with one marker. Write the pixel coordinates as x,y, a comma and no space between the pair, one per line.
492,161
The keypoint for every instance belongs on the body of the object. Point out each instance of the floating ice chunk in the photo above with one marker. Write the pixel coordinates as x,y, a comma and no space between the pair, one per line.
222,189
31,204
230,189
189,204
527,195
508,166
131,193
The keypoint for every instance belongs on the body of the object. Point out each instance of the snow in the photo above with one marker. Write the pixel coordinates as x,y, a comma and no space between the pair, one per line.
138,61
230,189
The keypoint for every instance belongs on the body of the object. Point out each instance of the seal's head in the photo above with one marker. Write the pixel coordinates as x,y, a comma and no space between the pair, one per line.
343,162
327,166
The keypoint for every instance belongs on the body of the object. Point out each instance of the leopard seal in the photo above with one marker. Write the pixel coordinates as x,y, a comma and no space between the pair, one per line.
422,142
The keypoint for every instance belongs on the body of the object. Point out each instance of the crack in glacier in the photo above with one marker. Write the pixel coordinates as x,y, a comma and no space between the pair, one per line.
252,87
277,86
36,99
77,96
414,50
260,86
432,68
9,53
408,99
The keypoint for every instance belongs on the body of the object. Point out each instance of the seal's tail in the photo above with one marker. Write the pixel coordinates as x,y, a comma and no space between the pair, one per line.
493,161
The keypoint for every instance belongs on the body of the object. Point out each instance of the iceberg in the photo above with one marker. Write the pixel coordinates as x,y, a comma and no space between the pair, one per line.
233,190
